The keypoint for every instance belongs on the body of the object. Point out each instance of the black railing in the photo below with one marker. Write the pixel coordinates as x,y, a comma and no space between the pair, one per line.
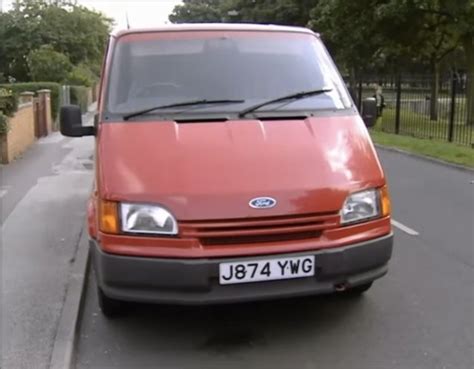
409,108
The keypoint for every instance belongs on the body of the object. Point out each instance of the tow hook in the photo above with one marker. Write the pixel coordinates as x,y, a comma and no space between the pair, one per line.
340,287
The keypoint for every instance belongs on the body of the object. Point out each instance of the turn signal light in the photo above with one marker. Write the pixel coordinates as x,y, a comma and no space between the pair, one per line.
385,201
108,217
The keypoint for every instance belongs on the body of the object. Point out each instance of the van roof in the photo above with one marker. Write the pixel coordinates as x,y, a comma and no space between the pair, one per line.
216,27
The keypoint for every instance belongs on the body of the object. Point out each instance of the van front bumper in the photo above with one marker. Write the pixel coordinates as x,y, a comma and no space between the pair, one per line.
196,281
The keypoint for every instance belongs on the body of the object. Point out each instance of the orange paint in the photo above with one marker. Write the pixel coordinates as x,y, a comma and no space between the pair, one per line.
207,173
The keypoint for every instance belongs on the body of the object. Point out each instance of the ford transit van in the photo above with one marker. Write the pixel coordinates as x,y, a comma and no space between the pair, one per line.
231,165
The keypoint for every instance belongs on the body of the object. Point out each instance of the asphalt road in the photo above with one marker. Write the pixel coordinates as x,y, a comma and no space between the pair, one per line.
420,316
43,204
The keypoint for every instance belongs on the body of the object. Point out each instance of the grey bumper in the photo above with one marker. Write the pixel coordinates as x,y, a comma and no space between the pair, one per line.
196,281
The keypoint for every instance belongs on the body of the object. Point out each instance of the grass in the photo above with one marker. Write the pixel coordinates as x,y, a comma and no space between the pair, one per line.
420,125
449,152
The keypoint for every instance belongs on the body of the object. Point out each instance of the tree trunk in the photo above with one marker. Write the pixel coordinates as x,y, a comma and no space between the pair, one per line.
434,90
353,84
468,44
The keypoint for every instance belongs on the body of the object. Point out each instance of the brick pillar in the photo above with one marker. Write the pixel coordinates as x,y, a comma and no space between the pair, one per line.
95,94
26,97
45,99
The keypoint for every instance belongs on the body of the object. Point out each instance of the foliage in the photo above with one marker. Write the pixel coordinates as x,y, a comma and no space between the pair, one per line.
401,33
4,127
198,11
367,35
8,107
45,64
286,12
347,31
290,12
8,102
70,29
364,32
80,96
55,89
81,75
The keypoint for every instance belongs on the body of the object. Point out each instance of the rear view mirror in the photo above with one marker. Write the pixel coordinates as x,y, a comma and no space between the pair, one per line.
369,111
71,122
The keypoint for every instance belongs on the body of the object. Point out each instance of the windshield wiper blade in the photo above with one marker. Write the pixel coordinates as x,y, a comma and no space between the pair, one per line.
178,105
295,96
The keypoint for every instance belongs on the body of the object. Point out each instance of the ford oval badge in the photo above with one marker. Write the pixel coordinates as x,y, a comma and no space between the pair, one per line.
262,203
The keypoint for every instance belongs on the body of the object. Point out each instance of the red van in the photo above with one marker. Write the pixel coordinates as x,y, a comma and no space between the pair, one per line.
231,165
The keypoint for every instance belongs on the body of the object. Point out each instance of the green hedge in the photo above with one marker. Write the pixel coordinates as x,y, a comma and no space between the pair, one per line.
79,96
8,107
55,88
3,124
8,102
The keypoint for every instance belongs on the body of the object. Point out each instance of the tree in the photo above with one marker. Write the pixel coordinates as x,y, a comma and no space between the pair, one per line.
468,45
395,33
433,29
285,12
73,30
349,31
198,11
80,75
365,35
289,12
45,64
462,14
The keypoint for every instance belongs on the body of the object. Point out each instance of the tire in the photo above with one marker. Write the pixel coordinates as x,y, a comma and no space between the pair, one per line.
110,308
358,290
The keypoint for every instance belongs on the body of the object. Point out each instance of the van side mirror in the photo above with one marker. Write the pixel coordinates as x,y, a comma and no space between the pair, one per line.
70,121
369,111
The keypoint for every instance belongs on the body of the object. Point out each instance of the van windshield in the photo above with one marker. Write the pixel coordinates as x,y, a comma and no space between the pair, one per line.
171,67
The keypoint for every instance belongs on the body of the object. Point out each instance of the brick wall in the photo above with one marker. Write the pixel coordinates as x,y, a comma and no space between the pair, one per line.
21,134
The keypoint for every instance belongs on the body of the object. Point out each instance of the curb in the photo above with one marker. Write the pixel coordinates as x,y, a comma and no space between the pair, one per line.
426,158
66,335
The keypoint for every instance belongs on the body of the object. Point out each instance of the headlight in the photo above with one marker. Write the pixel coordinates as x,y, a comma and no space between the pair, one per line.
137,218
360,206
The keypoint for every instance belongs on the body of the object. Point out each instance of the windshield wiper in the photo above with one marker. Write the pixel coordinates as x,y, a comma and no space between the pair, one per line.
178,105
295,96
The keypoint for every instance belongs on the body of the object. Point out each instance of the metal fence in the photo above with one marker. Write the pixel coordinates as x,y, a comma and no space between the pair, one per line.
409,109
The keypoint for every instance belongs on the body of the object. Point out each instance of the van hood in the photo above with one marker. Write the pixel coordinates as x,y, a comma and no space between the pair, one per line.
212,170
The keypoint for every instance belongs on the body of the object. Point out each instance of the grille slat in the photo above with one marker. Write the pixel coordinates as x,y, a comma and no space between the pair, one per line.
216,241
257,232
268,229
261,222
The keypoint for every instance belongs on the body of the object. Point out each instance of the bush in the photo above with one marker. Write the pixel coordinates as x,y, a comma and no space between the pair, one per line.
79,96
8,102
3,124
81,76
55,89
48,65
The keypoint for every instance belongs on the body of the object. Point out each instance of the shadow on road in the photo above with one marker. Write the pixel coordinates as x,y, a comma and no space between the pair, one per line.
236,333
229,328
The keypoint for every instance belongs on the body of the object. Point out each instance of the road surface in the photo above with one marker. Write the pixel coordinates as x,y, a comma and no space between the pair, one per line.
420,316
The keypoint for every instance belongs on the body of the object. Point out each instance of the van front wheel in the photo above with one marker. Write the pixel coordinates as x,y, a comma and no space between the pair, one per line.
111,308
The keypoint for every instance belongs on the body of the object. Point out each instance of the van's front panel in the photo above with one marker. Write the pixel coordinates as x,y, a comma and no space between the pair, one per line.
232,165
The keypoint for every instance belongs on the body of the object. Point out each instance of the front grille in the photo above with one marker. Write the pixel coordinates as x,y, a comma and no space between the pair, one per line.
238,240
258,230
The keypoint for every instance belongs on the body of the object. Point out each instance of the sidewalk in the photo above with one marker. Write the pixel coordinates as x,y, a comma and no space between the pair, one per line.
89,116
45,195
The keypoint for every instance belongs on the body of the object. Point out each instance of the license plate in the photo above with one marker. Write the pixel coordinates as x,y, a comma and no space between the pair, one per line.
266,270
